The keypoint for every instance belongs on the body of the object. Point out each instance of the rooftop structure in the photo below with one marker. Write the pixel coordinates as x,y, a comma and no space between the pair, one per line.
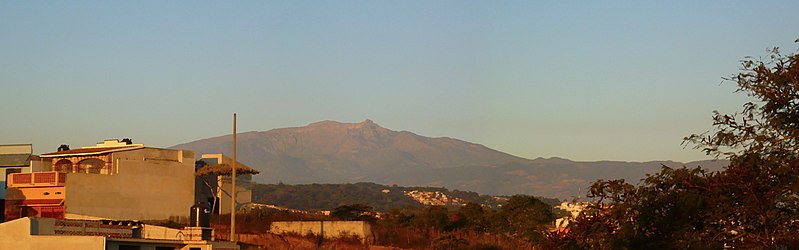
114,179
213,183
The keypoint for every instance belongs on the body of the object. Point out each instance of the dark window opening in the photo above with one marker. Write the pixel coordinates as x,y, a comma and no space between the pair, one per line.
11,171
129,247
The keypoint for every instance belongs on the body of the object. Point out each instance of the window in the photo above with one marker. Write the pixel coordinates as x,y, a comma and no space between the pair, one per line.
11,171
129,247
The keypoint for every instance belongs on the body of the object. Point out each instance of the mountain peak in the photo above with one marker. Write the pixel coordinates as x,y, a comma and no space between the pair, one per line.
366,124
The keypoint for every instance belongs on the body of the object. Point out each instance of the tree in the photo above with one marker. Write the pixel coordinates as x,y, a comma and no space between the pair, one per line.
668,210
353,212
752,203
758,191
527,217
473,217
436,217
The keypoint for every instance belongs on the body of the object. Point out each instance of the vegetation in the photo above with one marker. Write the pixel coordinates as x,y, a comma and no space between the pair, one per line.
330,196
380,197
522,221
354,212
752,203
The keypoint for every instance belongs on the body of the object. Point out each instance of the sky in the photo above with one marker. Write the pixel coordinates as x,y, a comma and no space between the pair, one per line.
582,80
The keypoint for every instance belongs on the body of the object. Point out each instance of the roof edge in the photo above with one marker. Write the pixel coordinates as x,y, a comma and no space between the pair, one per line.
109,150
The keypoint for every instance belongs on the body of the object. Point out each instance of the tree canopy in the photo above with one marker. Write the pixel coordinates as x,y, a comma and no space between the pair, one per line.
752,203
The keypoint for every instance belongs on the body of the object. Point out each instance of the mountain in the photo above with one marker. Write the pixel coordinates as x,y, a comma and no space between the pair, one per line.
334,152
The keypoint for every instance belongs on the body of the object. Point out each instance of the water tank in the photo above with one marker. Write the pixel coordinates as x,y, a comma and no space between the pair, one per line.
200,215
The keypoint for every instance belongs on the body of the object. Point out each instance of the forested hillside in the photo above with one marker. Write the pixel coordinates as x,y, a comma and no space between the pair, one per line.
380,197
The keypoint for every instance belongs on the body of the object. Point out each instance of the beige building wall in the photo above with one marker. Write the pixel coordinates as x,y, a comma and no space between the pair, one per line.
48,234
147,184
16,149
17,234
327,229
243,192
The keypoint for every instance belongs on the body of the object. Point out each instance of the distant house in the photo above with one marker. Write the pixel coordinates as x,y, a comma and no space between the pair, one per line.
213,182
114,179
16,158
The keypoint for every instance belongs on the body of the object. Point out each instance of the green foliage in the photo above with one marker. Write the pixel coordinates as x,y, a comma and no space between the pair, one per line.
759,188
473,217
668,209
358,212
330,196
449,242
437,218
527,217
753,203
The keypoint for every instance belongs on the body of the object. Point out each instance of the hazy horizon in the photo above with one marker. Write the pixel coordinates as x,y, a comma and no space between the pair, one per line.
590,81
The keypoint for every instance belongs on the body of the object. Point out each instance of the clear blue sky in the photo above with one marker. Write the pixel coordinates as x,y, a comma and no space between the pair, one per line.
593,80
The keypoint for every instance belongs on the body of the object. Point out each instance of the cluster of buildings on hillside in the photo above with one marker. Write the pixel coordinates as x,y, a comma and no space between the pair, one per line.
98,197
573,208
433,198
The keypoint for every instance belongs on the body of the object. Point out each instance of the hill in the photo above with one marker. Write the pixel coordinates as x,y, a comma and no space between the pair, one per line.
334,152
380,197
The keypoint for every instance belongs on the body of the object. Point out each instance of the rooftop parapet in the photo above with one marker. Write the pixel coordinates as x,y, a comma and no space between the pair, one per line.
37,179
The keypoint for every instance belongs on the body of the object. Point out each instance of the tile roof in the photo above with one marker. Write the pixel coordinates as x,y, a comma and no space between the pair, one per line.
89,151
14,160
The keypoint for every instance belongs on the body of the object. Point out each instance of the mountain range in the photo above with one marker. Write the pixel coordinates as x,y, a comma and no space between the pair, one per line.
335,152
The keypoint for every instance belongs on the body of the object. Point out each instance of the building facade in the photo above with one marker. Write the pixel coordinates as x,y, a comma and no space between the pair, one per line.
64,234
114,179
215,187
17,158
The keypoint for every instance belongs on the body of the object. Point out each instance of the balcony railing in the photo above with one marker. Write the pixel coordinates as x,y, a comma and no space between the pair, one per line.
37,179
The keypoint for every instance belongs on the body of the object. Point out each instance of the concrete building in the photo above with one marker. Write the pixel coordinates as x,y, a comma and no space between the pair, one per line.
115,180
215,183
16,158
325,229
50,233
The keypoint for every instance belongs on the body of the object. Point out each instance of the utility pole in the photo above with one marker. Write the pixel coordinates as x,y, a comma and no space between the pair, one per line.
233,187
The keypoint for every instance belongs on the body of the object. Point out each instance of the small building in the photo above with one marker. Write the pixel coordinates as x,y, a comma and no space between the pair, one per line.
114,179
16,158
214,184
50,233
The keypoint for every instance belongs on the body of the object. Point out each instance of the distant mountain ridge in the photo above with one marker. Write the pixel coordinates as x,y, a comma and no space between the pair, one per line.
335,152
